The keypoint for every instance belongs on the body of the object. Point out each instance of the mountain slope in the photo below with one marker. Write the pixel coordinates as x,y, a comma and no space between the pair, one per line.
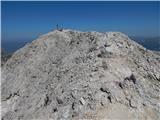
4,57
81,75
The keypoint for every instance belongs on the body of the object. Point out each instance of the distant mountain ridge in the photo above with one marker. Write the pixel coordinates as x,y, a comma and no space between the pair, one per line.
4,57
11,46
151,43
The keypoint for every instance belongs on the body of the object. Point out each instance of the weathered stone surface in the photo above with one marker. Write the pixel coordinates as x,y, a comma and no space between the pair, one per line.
68,74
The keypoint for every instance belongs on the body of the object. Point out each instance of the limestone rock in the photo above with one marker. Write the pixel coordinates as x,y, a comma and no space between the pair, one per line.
65,75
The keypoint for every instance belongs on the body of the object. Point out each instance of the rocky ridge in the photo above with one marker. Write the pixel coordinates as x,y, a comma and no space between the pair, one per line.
68,74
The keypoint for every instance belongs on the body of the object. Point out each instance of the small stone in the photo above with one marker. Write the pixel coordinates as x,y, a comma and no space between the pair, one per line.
120,85
144,104
55,110
109,98
82,101
104,65
133,78
105,89
73,106
133,103
59,101
46,100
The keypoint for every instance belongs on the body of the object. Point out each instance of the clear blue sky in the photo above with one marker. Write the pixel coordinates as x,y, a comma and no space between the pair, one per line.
27,20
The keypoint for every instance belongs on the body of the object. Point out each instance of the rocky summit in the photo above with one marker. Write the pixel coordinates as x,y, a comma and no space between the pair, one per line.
73,75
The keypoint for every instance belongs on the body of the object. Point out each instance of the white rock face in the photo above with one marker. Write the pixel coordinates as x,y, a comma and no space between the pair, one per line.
72,75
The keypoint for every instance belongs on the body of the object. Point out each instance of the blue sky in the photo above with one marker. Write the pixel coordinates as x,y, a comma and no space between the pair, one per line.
27,20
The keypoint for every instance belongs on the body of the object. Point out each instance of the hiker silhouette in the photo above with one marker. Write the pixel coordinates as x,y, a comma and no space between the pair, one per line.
58,28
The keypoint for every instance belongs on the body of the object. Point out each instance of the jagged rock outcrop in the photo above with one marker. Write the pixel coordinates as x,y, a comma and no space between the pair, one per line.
71,75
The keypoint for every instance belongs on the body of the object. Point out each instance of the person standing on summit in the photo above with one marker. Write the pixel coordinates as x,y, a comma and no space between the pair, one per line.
59,29
57,26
